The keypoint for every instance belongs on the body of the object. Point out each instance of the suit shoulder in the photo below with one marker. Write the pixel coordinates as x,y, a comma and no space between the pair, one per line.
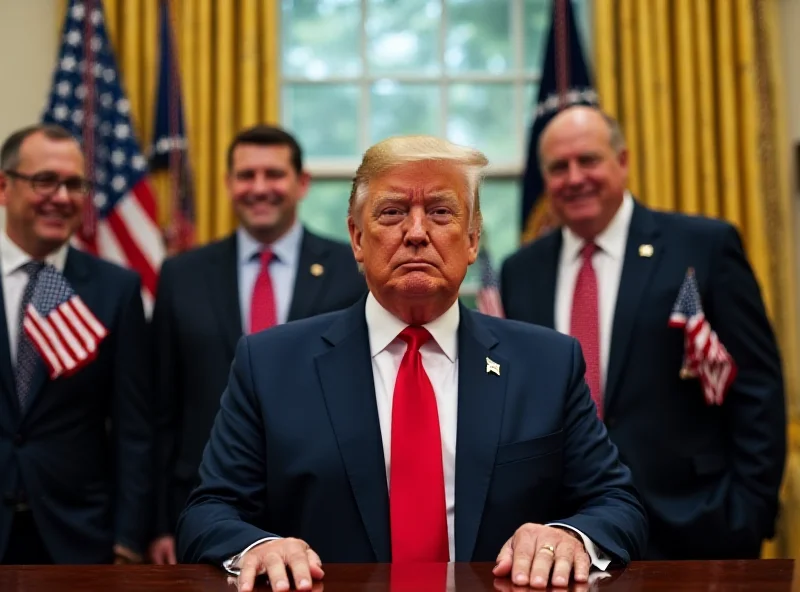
519,331
108,271
531,251
199,255
693,225
295,332
334,247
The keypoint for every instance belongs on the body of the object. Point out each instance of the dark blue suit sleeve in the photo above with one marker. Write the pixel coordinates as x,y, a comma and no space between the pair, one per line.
754,407
220,515
598,488
132,425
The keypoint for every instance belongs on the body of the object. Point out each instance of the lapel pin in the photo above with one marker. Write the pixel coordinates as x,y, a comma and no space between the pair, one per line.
645,250
317,270
492,367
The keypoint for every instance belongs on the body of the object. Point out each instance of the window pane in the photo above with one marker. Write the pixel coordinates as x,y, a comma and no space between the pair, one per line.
399,109
321,38
324,210
479,36
403,36
482,116
324,117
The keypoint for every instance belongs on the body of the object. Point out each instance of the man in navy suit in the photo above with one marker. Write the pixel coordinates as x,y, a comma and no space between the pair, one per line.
208,297
408,428
75,451
709,475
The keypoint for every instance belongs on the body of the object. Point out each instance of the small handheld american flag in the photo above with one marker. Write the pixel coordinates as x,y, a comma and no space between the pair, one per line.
704,356
62,329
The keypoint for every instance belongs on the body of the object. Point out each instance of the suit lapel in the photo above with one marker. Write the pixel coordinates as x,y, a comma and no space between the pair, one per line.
223,286
307,285
636,273
345,374
79,277
481,397
6,364
544,283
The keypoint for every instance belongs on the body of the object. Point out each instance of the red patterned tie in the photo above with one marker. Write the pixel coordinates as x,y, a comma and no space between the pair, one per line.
262,306
416,478
584,324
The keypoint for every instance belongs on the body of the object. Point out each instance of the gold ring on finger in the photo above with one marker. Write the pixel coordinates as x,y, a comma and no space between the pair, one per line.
550,548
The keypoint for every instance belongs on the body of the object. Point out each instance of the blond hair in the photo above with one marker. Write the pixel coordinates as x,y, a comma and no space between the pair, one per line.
403,149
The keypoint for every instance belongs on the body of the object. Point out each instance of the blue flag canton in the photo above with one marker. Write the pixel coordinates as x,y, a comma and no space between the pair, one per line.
118,164
52,290
688,303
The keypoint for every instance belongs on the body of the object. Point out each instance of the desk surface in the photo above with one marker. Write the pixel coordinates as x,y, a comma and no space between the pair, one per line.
764,576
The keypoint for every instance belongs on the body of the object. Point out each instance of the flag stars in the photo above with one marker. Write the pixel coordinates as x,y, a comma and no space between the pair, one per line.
118,183
109,75
61,112
123,106
118,158
100,200
74,37
98,70
106,100
78,11
63,88
138,162
97,17
77,116
96,43
68,63
122,131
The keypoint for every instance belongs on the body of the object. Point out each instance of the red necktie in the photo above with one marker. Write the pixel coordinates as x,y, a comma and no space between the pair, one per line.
584,324
416,478
262,306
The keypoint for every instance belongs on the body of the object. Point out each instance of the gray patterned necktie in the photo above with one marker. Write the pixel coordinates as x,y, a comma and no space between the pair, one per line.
26,354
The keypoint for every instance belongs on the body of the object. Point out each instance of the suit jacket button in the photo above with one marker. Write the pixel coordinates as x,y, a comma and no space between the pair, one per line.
19,439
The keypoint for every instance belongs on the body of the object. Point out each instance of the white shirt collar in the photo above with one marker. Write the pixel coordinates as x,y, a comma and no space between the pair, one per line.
12,257
383,328
286,249
613,238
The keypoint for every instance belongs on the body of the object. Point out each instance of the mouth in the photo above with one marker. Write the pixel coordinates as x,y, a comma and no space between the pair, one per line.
579,197
268,200
416,266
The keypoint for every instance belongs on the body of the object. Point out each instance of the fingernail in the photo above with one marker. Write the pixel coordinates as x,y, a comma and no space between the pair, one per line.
538,581
519,578
559,581
282,585
304,584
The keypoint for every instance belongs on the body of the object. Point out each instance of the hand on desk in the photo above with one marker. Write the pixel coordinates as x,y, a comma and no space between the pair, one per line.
273,557
534,549
162,551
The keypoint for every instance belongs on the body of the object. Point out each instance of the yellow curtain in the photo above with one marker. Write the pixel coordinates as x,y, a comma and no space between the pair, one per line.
697,87
228,58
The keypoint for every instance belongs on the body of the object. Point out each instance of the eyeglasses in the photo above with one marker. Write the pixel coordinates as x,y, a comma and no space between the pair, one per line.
47,183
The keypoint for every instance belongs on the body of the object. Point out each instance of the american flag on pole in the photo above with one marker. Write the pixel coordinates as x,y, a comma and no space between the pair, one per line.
88,99
60,326
488,297
704,355
170,150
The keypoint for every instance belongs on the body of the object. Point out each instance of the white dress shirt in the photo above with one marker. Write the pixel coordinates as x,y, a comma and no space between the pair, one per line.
607,262
440,360
282,270
14,278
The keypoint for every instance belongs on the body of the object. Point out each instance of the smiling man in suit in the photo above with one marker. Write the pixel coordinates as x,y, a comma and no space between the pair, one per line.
709,475
408,428
75,448
270,271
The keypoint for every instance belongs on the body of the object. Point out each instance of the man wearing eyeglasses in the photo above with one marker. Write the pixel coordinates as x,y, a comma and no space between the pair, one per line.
75,449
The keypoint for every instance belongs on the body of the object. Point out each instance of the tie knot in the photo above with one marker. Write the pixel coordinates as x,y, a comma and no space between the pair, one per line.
588,250
32,267
414,336
266,256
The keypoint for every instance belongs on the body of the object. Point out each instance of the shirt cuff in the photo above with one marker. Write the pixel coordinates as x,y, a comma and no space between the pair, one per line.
232,564
599,559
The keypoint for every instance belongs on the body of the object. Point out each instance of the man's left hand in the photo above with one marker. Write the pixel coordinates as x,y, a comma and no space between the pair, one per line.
534,550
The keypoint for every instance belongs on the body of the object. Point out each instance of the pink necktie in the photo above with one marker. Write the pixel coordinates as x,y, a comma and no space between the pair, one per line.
262,306
584,323
416,478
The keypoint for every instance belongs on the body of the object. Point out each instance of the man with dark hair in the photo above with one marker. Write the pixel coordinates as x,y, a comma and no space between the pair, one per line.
76,438
271,270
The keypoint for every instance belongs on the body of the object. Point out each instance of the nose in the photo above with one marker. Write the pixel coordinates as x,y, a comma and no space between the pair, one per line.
416,230
61,195
575,174
260,184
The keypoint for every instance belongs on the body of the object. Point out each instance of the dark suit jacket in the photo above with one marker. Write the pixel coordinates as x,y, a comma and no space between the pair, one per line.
709,476
296,449
81,453
196,322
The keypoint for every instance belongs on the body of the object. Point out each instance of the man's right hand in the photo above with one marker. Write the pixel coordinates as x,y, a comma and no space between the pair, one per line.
273,557
162,551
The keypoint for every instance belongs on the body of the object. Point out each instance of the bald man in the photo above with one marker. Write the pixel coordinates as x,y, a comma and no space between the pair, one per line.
709,475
